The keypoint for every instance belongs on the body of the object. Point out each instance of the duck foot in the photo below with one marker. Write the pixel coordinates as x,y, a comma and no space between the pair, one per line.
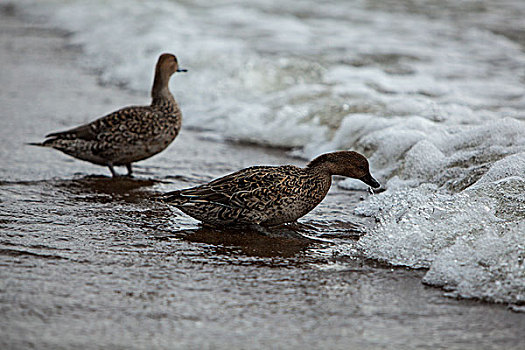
114,174
130,170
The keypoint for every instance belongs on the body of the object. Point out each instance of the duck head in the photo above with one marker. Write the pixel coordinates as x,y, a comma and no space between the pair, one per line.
346,163
167,65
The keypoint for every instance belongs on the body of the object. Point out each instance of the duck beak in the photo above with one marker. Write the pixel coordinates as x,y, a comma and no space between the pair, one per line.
182,70
370,181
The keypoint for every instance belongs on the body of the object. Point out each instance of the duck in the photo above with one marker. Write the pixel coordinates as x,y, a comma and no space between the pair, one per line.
130,134
268,195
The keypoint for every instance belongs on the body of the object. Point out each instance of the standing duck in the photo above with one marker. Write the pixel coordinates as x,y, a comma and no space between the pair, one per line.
268,195
129,134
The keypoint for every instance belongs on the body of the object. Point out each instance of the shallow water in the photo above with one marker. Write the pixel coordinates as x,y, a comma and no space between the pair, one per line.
92,262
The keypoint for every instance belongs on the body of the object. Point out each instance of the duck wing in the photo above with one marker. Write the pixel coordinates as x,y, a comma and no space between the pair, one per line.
124,119
254,187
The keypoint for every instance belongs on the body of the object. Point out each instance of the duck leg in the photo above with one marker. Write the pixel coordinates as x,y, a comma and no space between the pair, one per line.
130,170
113,173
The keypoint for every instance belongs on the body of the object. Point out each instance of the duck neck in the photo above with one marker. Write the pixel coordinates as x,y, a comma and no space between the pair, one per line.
322,178
322,164
319,170
160,92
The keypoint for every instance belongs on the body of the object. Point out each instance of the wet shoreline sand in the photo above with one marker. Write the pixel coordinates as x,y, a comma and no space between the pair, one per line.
90,262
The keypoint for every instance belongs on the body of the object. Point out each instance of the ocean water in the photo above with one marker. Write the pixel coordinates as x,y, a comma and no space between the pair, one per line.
433,92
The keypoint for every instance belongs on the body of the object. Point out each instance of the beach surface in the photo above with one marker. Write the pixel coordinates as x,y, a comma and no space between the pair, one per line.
91,262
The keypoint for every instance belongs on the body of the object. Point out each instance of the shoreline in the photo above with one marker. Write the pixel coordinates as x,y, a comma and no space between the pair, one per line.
336,305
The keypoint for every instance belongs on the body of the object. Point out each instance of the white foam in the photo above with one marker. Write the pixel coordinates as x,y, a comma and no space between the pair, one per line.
489,265
455,236
513,165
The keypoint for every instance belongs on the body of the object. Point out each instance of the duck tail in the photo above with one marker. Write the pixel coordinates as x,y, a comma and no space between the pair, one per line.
46,143
174,197
39,144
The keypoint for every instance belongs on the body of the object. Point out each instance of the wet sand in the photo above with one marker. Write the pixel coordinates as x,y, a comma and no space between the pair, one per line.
90,262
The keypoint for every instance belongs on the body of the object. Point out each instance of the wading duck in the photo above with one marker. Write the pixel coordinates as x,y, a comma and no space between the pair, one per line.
129,134
268,195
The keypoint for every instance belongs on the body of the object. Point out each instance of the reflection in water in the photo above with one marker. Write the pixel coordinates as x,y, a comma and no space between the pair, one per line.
119,188
251,241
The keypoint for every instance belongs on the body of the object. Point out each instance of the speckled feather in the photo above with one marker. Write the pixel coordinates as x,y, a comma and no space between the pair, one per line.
265,195
129,134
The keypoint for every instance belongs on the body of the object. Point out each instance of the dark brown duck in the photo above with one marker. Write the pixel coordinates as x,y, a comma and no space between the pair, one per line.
269,195
130,134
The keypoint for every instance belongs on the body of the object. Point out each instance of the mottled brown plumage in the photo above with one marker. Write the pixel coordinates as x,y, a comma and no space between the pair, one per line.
268,195
130,134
